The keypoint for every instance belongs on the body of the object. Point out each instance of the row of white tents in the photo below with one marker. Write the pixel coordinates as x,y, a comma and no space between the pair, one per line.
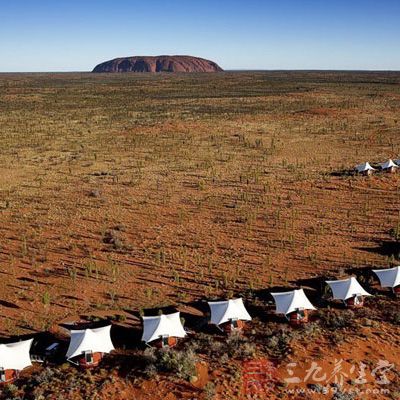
389,165
86,342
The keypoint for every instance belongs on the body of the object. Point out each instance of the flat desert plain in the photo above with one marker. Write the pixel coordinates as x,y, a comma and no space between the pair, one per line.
123,192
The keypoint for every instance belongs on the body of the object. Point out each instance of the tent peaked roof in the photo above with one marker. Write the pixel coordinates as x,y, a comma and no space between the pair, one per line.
346,288
287,302
389,277
15,355
96,340
388,164
162,325
223,311
364,167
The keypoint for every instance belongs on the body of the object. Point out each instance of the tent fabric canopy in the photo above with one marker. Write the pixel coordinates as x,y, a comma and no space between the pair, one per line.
287,302
364,167
223,311
96,340
15,355
346,288
162,325
388,164
389,277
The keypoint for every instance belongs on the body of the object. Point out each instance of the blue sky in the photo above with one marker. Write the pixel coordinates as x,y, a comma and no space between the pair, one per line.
75,35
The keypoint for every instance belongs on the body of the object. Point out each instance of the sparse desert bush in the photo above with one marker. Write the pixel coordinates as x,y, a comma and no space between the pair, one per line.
393,316
239,347
63,382
182,363
207,344
46,298
10,390
333,319
235,346
341,395
336,337
118,317
95,193
228,179
150,371
277,343
395,233
113,238
311,330
209,391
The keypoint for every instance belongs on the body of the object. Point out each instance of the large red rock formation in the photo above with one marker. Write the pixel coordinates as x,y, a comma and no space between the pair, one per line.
158,64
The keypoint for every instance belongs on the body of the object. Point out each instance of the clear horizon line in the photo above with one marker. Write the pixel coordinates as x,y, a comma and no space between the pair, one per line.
225,70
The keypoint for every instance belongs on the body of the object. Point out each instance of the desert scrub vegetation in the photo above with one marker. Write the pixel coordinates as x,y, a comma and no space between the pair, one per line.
278,343
191,185
334,319
60,382
235,346
182,363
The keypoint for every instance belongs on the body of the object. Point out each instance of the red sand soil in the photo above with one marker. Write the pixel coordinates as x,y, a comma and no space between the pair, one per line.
141,202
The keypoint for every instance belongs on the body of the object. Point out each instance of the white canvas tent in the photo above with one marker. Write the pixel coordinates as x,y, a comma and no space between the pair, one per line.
389,164
346,288
96,340
169,325
364,167
224,311
389,277
15,355
288,302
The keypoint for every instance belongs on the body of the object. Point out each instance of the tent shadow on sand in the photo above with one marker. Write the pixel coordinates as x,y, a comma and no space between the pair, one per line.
197,322
126,337
317,289
388,248
7,304
127,334
343,173
43,340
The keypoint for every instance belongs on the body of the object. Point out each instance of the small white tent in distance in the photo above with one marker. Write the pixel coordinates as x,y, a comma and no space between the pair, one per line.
349,291
389,166
229,315
88,346
294,305
14,357
389,277
364,168
163,330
